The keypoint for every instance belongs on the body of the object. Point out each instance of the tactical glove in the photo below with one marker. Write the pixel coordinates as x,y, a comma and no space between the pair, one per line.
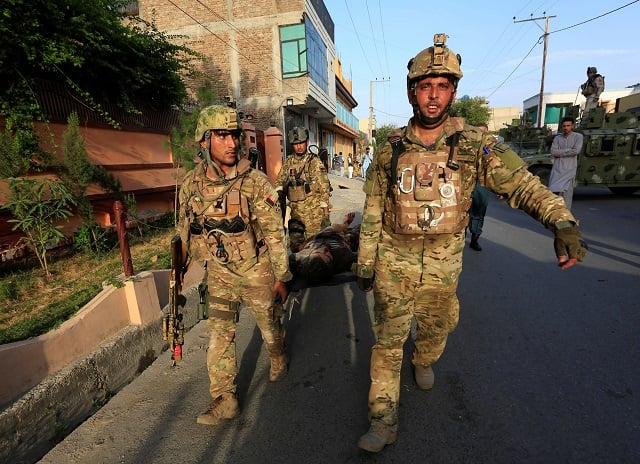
569,246
364,283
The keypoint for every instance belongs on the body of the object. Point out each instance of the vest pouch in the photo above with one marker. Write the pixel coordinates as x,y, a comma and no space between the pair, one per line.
240,246
424,189
225,248
403,221
296,193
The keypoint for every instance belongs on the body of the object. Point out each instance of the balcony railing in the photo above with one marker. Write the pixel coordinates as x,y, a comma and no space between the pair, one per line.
346,117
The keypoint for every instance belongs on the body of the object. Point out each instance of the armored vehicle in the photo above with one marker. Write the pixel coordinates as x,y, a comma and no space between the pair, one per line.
610,154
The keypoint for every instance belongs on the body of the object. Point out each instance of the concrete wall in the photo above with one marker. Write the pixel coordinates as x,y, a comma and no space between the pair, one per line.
500,117
112,310
52,383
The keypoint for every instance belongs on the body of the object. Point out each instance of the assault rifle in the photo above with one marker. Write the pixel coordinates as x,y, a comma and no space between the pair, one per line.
172,324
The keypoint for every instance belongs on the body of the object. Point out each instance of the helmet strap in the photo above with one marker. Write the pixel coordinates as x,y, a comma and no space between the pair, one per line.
206,154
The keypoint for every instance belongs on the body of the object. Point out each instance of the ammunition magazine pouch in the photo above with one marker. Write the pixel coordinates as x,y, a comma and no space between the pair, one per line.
226,248
298,192
299,188
232,311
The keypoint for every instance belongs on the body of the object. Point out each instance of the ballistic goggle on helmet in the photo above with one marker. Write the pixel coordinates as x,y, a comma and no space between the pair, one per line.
438,60
298,135
217,117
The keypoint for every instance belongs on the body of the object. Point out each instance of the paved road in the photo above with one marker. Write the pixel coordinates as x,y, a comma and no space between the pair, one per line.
541,369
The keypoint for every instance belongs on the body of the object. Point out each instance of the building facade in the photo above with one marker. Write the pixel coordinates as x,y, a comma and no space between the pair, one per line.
556,105
276,58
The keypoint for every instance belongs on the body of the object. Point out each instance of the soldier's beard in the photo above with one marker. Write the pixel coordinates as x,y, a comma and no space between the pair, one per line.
430,123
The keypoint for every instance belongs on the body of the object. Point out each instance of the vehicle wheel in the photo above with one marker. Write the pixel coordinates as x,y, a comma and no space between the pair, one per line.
543,172
623,190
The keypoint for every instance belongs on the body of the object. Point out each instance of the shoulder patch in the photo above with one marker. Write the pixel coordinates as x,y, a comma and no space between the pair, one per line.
506,155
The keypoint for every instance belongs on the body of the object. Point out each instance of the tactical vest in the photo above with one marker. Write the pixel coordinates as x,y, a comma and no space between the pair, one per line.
589,87
220,225
426,194
298,187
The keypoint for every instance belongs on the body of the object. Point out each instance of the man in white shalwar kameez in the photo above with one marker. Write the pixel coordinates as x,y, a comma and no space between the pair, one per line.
565,149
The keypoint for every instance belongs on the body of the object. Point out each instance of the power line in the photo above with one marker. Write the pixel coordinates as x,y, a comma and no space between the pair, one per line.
516,68
553,32
384,42
358,37
375,45
229,45
594,18
222,18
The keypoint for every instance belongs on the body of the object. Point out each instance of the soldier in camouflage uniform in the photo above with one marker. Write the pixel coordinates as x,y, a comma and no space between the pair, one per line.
591,89
304,181
412,235
230,222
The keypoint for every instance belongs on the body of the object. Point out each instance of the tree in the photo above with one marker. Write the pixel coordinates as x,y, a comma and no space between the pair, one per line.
474,110
77,172
13,163
37,206
183,145
91,47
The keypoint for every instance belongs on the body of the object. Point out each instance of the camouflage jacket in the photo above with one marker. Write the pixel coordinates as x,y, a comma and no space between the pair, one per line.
264,215
315,174
482,160
593,86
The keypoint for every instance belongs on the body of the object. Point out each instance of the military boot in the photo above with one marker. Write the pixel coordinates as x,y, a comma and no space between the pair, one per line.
378,436
424,377
474,245
223,407
278,369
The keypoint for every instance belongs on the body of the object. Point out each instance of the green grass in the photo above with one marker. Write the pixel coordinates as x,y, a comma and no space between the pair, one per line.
32,304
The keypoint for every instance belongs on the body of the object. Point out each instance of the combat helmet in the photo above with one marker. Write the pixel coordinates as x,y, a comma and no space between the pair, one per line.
217,117
438,60
298,135
591,69
434,61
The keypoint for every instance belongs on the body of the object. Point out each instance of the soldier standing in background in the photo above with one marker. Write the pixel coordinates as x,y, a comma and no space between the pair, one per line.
592,89
478,210
412,233
304,180
230,222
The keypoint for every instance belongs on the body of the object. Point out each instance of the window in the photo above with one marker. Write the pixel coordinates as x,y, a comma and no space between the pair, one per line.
293,46
317,56
303,51
553,114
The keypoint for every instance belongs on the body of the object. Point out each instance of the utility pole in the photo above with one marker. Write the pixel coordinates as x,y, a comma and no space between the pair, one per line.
370,129
544,59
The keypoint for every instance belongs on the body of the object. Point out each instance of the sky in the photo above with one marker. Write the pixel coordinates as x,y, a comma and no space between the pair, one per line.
501,59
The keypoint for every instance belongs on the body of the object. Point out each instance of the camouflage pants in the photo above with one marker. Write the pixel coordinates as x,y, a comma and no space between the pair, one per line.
253,288
589,104
414,279
313,221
